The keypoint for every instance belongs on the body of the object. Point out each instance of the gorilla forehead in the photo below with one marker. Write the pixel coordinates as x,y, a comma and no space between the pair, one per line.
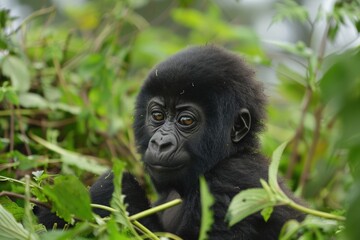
198,73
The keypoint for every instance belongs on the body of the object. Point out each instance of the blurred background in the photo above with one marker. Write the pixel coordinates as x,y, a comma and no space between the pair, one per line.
70,71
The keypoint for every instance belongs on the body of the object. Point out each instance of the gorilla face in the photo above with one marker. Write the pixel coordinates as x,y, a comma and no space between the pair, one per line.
173,126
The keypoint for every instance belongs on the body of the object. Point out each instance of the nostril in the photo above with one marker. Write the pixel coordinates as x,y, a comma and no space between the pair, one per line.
154,144
165,146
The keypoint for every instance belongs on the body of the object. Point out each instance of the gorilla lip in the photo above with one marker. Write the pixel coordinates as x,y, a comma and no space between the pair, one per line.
165,168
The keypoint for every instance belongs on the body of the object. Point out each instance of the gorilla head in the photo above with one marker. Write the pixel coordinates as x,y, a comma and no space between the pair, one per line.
195,109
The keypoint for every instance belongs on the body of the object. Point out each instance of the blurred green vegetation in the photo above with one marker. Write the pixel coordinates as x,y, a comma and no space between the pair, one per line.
68,81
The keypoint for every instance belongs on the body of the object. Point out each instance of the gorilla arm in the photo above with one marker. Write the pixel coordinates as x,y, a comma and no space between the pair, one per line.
135,198
101,193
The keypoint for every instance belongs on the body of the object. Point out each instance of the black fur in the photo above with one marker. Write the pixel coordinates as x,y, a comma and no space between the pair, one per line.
221,84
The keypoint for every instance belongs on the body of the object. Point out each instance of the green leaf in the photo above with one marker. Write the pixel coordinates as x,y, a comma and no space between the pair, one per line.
12,207
70,198
117,201
247,202
73,233
287,73
10,229
274,166
28,220
207,215
114,231
266,213
352,214
32,100
25,162
298,49
4,17
86,163
15,68
12,97
291,10
289,229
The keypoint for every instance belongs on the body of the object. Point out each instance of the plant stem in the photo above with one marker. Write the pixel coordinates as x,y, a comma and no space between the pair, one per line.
299,133
156,209
145,230
7,179
168,235
107,208
8,112
310,157
315,212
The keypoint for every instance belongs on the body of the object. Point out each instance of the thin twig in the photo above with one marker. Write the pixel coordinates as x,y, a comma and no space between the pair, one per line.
12,128
50,124
22,130
298,134
23,112
20,196
313,146
34,15
65,47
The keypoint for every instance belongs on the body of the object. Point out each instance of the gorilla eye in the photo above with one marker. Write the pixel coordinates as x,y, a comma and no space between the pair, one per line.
158,116
186,121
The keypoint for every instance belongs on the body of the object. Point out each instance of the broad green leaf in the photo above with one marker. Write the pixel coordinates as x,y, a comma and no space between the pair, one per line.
32,100
12,207
10,229
15,68
70,198
81,161
247,202
207,215
274,166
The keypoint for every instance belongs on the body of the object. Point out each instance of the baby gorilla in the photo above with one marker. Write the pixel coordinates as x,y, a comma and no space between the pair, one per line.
198,113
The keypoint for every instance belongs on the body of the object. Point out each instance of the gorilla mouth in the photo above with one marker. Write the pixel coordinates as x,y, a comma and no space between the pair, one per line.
158,167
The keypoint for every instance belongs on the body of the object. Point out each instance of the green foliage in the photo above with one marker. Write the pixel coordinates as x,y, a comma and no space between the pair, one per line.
117,202
77,201
10,228
12,207
14,68
207,215
247,202
67,92
290,9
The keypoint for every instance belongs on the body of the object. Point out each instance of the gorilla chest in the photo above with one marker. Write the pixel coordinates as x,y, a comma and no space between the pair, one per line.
171,218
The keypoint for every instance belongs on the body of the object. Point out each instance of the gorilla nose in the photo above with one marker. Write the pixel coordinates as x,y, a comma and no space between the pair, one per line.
163,144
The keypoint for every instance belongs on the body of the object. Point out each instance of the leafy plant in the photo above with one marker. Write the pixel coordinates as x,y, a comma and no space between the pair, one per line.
68,81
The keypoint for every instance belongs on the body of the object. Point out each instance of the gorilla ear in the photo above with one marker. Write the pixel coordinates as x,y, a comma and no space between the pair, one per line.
241,126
